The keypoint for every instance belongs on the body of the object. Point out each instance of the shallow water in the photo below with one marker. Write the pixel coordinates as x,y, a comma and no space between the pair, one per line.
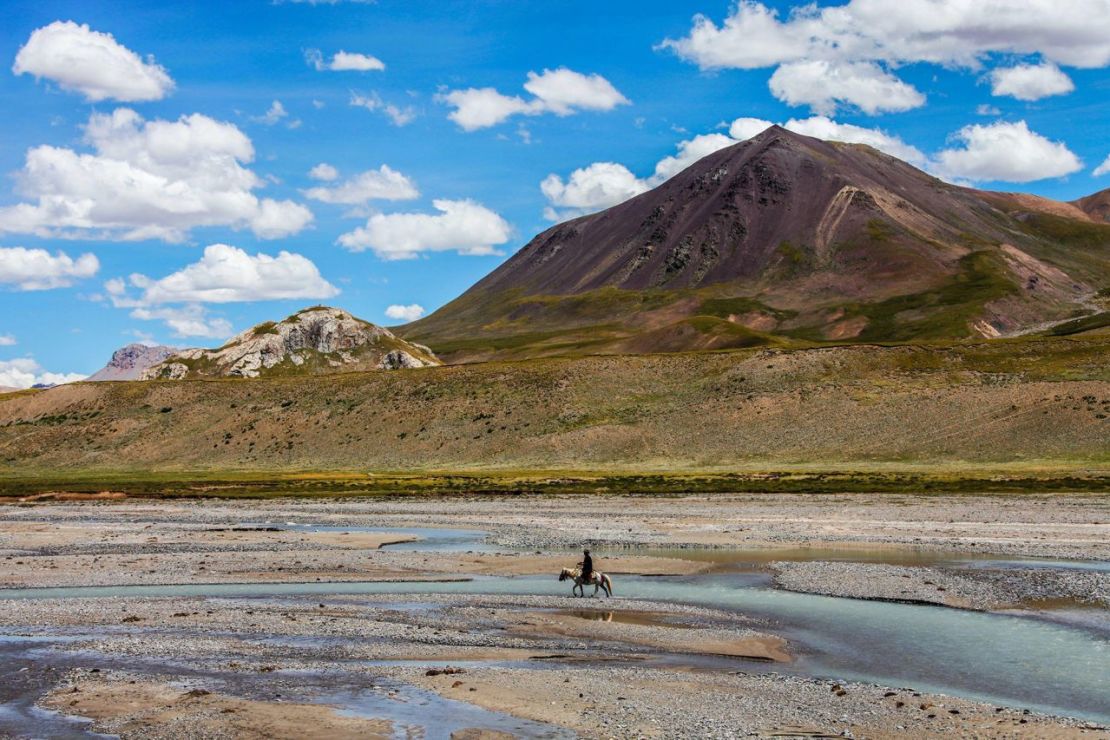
999,658
1060,666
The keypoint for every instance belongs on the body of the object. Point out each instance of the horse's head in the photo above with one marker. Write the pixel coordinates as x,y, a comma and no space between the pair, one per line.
565,574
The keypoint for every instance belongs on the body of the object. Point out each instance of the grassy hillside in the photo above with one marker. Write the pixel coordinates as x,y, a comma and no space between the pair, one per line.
1011,407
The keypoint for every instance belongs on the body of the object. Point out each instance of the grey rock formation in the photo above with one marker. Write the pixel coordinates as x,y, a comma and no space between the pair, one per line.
315,340
129,363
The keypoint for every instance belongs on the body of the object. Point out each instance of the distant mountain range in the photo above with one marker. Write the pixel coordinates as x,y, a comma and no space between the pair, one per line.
314,341
789,240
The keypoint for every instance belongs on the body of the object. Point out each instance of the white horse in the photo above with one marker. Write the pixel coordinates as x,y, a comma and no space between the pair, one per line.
597,578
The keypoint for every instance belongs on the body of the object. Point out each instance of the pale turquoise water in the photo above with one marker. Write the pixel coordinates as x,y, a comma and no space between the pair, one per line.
1006,659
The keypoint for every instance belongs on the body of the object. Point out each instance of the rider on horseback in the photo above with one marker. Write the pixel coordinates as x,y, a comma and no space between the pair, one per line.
587,566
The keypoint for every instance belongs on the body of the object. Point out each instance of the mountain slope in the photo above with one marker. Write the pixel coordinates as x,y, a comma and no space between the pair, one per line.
1019,404
782,238
314,341
129,363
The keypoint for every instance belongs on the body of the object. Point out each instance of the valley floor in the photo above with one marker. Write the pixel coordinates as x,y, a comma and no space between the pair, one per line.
442,617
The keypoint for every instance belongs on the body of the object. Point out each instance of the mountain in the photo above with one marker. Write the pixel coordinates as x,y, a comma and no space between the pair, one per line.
314,341
1096,206
128,363
784,239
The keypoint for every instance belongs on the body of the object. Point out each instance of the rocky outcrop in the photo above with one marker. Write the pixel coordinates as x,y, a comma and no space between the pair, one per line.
313,341
129,363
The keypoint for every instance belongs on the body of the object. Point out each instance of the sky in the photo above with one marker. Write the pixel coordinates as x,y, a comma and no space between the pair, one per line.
178,172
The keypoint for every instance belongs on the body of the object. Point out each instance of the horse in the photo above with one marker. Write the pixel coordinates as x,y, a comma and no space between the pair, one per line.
597,578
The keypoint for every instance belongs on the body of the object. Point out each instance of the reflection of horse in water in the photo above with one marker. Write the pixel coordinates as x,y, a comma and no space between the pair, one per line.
597,578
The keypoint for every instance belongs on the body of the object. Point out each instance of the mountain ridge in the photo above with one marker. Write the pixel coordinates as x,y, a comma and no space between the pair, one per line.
784,238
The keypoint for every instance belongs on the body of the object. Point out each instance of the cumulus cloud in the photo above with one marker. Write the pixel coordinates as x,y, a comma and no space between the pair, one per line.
224,274
343,61
689,151
1005,151
94,64
227,274
561,91
824,85
24,372
186,321
146,180
589,189
605,184
323,172
1030,81
854,48
383,183
1103,168
7,340
462,226
398,115
38,269
407,313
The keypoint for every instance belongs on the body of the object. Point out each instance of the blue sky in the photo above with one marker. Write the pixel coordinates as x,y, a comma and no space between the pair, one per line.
1032,81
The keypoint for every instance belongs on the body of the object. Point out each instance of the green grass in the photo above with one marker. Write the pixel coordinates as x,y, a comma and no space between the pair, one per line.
725,307
1067,231
266,327
1077,326
943,313
255,484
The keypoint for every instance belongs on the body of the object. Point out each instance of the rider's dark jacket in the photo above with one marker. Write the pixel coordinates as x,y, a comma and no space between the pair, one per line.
587,566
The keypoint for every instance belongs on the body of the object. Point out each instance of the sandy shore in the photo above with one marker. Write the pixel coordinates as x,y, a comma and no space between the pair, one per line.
643,667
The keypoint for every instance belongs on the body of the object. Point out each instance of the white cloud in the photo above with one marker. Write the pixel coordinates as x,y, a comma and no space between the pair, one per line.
343,61
405,313
605,184
560,91
24,372
224,274
1031,82
823,85
399,116
274,114
227,274
186,321
461,226
1005,151
564,91
145,180
881,36
323,172
37,269
482,107
589,189
689,151
984,109
91,63
1103,168
383,183
7,340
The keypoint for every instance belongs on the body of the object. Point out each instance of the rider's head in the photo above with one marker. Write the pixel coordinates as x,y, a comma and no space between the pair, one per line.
585,552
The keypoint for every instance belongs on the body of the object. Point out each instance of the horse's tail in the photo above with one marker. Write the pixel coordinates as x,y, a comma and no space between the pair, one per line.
608,582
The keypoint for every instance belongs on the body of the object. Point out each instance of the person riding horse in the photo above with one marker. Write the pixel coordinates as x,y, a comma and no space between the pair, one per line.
587,566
